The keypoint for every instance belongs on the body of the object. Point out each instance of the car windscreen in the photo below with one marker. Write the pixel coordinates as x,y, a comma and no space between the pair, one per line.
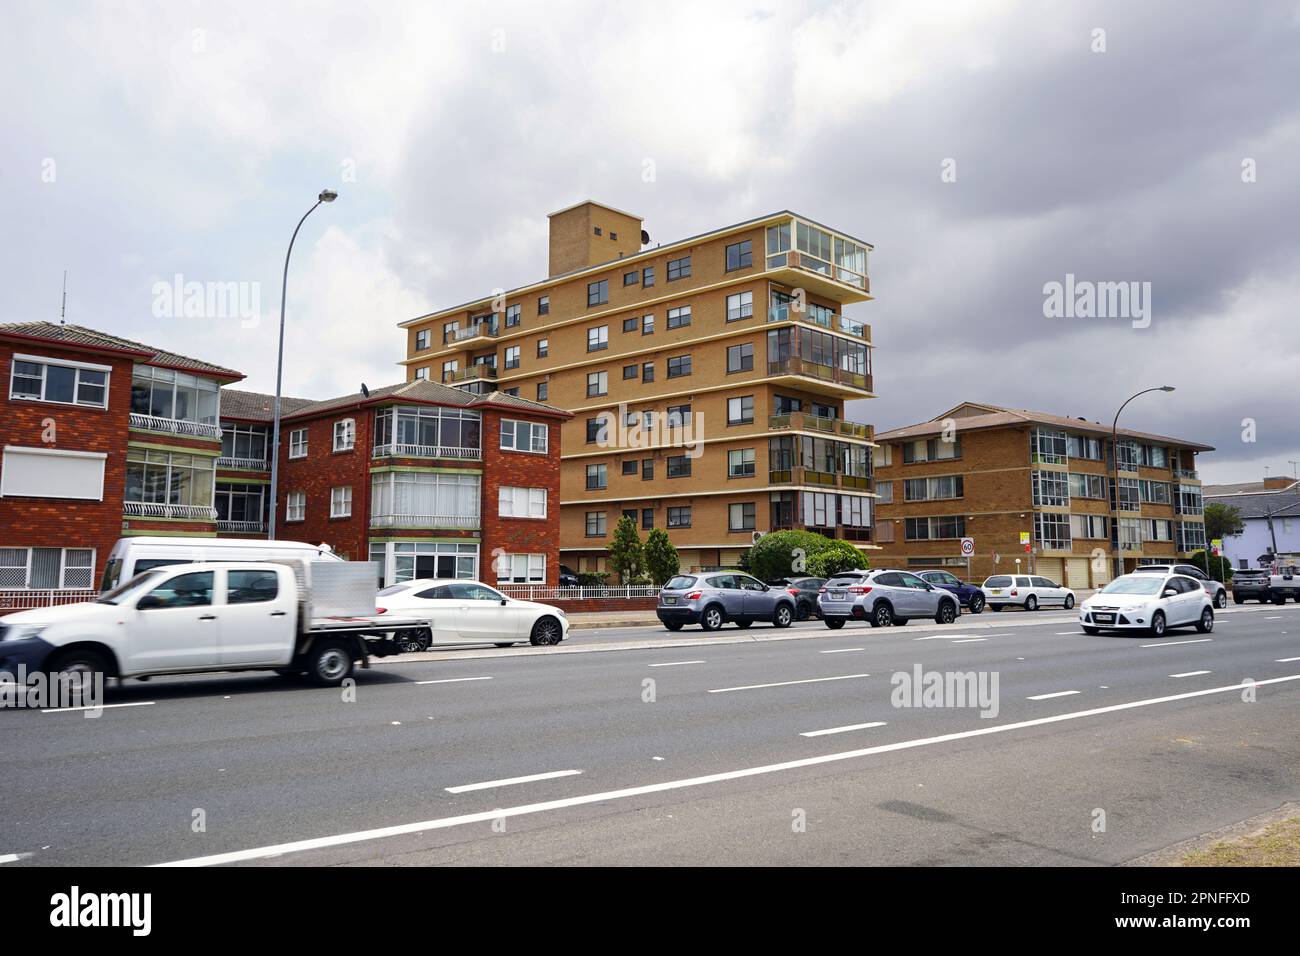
680,583
998,581
128,589
1129,584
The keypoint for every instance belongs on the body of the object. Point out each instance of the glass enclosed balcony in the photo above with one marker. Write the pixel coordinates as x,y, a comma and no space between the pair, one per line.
812,257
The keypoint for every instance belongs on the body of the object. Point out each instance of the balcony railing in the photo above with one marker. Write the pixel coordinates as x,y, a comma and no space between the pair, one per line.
808,422
472,373
828,373
243,464
176,426
1188,473
793,259
242,527
427,451
487,329
801,476
424,521
150,509
785,311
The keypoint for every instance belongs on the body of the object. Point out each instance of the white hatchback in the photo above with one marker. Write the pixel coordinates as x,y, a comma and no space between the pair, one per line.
468,612
1029,591
1148,602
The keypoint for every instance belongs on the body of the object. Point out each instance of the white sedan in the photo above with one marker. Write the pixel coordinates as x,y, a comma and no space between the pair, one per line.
468,612
1150,603
1025,590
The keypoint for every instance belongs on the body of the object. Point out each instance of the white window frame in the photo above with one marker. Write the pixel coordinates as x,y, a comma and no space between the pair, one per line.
423,339
295,506
349,427
64,568
297,443
62,363
341,504
514,501
742,304
533,568
533,435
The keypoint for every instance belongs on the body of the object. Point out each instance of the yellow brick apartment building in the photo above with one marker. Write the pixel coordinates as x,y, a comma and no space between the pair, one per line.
990,473
707,377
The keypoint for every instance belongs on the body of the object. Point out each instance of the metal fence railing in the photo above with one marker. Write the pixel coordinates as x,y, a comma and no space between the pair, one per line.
24,599
540,592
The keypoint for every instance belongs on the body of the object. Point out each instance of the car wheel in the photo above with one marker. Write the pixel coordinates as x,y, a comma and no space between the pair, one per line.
1091,630
803,612
1031,603
995,607
1221,599
882,616
329,663
1069,601
1279,600
1236,599
1206,624
834,623
947,613
1158,624
711,619
782,616
742,622
416,642
673,625
977,603
546,633
78,671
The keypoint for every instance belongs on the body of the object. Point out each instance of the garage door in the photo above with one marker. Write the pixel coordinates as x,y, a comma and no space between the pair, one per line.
1076,573
1049,568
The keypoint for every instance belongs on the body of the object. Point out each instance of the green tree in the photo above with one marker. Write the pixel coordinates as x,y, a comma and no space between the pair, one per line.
661,559
1218,568
626,556
1222,521
782,554
835,558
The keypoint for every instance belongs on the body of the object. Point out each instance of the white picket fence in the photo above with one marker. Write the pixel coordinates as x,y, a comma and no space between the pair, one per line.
23,599
539,592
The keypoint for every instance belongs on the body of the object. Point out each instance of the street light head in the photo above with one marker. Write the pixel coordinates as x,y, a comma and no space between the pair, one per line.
328,195
1166,388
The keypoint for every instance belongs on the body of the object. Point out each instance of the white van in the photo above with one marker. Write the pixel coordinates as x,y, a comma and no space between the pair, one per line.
130,556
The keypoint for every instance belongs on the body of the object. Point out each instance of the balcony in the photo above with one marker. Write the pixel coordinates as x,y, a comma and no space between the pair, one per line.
803,421
1186,474
150,509
471,373
243,464
424,521
838,381
175,426
428,451
841,533
784,312
479,330
803,254
242,527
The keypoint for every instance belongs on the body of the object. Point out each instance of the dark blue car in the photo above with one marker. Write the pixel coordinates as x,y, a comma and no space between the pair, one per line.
969,595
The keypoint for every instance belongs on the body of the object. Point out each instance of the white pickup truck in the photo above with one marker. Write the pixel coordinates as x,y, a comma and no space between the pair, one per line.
1284,582
293,617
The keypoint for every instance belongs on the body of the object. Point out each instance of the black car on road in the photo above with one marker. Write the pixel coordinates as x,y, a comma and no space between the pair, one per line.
804,591
1251,584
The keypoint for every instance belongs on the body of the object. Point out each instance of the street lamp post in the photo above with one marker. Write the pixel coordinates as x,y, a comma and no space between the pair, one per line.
326,195
1114,453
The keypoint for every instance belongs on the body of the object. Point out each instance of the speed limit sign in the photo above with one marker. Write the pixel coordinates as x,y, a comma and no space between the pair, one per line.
967,547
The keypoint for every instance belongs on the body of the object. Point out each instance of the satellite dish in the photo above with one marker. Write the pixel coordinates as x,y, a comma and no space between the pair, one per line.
645,238
365,391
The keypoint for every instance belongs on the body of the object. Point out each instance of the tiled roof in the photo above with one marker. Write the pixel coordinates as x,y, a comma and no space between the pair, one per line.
420,390
91,338
1282,504
1245,488
256,407
1000,417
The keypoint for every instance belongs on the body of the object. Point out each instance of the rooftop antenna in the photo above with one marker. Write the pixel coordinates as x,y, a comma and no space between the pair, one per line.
63,312
1294,465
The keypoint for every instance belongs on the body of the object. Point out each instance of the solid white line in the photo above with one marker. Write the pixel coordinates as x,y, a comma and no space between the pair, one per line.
1274,617
842,650
675,663
1286,660
841,730
1190,674
1059,693
10,857
361,836
68,710
969,640
511,781
1066,633
1199,640
941,637
452,680
786,683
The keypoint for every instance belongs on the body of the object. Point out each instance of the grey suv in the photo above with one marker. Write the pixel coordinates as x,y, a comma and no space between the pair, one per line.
884,597
713,598
1218,593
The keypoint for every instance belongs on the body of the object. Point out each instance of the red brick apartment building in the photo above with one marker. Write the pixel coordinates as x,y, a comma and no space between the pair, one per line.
105,438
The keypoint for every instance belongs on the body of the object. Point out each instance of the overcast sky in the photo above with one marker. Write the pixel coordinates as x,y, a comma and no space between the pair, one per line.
143,142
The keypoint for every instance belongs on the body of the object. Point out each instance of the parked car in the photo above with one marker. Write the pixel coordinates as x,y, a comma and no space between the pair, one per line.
1251,584
1218,593
804,591
883,597
1284,583
568,577
1148,602
715,598
469,612
1028,591
968,595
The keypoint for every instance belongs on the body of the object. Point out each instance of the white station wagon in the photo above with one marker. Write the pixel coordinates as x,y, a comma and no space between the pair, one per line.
468,612
1028,591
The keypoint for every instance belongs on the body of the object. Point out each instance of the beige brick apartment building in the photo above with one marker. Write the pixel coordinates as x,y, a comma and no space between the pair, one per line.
707,378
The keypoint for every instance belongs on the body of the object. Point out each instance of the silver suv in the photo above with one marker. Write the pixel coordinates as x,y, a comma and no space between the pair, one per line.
713,598
1218,593
884,597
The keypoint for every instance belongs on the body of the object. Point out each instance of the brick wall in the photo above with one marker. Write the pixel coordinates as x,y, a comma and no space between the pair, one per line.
523,470
322,470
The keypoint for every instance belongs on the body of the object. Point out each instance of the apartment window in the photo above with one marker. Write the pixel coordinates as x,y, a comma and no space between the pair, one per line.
1128,455
1157,529
648,372
647,325
1189,500
597,477
632,324
450,330
679,365
512,356
597,429
932,449
613,236
422,373
1088,486
740,516
1154,492
933,489
512,391
647,277
298,443
679,517
597,293
1052,531
740,410
341,502
740,305
740,255
1081,446
246,442
296,506
647,469
1129,495
926,529
47,568
598,338
1092,527
422,339
63,383
630,278
740,358
631,371
544,305
513,314
523,436
345,434
1051,488
679,268
677,415
543,347
449,369
595,524
630,467
1191,536
647,519
740,463
597,384
176,396
515,502
543,389
1048,446
58,473
679,466
521,569
679,317
885,490
1154,456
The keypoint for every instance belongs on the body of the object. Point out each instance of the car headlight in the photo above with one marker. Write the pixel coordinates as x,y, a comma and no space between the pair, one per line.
22,632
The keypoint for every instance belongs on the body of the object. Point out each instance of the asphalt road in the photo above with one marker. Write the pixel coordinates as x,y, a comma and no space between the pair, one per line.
781,747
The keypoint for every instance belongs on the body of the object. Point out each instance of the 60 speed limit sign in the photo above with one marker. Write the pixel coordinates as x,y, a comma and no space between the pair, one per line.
967,547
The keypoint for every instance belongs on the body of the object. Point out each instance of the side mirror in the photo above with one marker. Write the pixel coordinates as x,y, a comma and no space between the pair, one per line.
765,587
1169,592
504,601
147,602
